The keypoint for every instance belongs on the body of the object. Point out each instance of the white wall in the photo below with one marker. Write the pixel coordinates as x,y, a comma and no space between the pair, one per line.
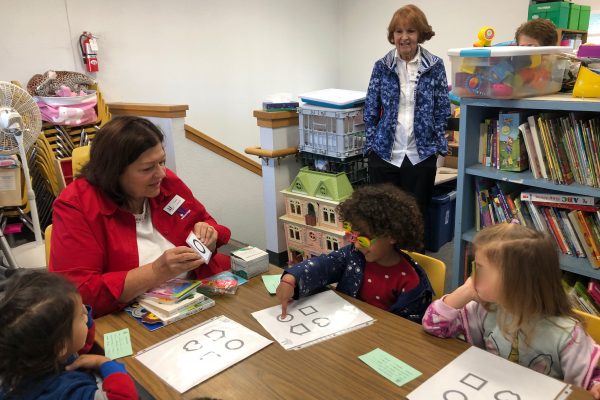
220,57
363,37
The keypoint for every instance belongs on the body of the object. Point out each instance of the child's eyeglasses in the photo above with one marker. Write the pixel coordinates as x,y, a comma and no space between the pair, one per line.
354,237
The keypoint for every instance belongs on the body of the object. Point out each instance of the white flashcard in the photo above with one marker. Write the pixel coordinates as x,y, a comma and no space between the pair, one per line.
311,320
198,353
200,248
477,375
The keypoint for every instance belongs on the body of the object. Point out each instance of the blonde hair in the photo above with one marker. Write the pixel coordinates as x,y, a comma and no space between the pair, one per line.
530,276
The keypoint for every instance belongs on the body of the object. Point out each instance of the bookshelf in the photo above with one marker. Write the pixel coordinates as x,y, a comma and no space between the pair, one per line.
473,112
570,32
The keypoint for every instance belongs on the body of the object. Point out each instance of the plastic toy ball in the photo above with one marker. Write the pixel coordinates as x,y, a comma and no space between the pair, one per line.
501,90
473,83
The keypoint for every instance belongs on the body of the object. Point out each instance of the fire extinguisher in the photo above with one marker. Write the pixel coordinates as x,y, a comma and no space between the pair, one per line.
89,51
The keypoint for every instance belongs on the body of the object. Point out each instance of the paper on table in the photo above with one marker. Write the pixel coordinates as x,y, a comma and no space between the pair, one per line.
390,367
479,375
198,353
117,344
271,282
311,320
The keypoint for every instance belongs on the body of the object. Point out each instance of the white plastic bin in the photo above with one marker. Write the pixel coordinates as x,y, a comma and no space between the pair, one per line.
508,71
335,133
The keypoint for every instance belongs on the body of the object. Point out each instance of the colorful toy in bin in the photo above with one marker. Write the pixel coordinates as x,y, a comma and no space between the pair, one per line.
587,83
507,72
484,37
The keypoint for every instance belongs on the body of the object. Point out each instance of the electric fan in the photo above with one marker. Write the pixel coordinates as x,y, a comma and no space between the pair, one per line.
20,125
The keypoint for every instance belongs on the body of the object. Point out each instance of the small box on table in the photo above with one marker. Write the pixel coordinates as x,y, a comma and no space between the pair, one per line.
249,262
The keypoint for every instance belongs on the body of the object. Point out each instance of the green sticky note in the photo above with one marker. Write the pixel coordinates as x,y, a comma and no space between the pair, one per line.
390,367
117,344
271,282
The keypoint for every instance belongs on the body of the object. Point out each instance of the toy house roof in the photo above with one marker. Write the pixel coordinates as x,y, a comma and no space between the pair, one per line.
321,185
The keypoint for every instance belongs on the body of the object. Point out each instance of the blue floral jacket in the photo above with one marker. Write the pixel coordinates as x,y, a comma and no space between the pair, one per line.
346,267
432,107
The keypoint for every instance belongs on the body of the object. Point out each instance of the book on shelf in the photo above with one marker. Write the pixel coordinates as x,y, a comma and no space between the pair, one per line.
172,290
565,199
583,239
534,164
512,155
587,303
563,148
541,156
570,233
593,290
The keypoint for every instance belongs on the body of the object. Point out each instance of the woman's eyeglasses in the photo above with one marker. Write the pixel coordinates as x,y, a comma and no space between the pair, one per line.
354,237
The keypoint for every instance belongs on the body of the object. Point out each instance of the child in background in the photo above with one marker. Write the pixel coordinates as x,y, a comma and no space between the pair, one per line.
44,325
542,32
381,220
537,32
516,308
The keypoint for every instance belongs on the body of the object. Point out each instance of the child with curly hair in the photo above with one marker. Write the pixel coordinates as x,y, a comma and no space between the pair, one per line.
44,326
381,221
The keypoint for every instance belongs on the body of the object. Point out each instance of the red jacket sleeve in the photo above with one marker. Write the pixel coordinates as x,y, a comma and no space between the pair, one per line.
117,384
78,254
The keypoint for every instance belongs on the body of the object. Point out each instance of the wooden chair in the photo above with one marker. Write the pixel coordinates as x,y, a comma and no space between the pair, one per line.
47,237
81,156
435,270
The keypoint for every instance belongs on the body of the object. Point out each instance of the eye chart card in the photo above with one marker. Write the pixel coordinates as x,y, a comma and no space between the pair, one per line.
479,375
311,320
194,355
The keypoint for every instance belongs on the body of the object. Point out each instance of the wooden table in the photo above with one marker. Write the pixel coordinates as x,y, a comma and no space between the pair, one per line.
327,370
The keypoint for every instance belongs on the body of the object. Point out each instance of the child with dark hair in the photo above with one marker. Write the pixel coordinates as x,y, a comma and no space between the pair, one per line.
44,325
381,221
537,32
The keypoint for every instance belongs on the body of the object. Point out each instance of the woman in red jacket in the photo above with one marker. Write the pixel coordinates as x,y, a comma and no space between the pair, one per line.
120,228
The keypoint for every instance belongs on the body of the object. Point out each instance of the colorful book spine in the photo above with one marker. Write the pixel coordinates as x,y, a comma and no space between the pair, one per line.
587,233
554,230
589,253
570,233
558,198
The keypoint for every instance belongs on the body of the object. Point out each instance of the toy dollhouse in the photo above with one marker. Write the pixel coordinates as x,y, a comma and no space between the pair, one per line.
311,222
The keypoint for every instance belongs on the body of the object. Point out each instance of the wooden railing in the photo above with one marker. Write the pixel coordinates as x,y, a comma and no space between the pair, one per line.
224,151
191,133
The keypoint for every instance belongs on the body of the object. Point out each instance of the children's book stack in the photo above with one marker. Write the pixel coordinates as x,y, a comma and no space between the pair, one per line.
563,148
584,297
170,302
573,221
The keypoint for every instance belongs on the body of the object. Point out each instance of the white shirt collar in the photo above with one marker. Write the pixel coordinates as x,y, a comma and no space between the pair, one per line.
415,59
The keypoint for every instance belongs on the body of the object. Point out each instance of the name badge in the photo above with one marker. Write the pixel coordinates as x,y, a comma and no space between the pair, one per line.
174,204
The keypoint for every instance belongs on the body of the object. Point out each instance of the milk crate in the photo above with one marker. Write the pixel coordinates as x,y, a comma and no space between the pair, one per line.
356,167
334,133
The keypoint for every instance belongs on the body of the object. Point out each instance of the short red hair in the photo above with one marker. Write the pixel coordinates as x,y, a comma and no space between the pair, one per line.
414,17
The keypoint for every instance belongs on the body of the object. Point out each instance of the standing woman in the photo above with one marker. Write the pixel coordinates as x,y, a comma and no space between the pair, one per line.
407,109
